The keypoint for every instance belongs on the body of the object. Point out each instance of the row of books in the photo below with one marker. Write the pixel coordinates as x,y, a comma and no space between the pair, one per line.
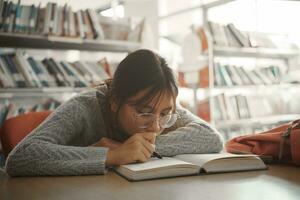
232,75
56,20
9,109
21,70
229,36
235,107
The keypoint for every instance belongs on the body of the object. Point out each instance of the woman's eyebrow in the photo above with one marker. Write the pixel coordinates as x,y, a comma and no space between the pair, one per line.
168,108
163,110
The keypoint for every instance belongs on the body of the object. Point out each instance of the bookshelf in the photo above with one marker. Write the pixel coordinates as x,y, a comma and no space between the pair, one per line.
11,93
47,78
259,121
254,52
242,89
208,96
262,89
64,43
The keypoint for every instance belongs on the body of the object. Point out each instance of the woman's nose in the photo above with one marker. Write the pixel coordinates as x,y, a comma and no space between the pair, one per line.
155,127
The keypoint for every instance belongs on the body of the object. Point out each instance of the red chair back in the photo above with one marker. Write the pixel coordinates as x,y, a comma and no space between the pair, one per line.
16,128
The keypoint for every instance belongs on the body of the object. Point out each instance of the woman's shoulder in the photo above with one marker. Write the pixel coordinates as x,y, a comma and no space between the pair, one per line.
91,97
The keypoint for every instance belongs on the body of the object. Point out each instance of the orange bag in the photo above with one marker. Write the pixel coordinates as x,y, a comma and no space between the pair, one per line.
282,143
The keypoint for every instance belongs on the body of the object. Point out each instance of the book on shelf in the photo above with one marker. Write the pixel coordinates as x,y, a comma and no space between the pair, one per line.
21,70
62,23
218,33
115,29
230,36
236,107
12,70
136,34
190,164
231,75
11,109
240,37
260,40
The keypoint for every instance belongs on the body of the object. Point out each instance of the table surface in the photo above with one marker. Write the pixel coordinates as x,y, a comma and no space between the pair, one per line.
278,182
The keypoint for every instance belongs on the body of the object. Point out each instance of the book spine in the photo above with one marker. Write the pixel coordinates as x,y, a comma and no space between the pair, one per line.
20,65
54,18
47,22
67,79
81,69
81,80
97,29
49,77
75,82
80,26
53,71
42,78
7,75
17,77
60,72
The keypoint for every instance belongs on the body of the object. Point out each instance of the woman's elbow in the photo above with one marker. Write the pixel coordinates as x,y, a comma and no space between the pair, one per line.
18,161
10,166
217,143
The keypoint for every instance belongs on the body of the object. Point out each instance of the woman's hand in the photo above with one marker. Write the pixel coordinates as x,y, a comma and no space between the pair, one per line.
106,142
138,148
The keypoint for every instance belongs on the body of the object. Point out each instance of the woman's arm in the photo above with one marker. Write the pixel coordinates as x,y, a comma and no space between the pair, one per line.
190,134
50,148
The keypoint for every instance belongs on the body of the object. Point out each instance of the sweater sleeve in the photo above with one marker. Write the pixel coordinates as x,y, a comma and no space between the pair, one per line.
189,135
49,150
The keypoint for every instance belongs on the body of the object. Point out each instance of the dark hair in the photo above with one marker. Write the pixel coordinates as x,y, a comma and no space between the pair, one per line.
140,70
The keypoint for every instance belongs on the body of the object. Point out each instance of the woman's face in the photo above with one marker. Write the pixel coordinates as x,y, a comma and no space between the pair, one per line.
160,106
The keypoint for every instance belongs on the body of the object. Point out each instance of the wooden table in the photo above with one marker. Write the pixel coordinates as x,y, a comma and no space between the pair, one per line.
278,183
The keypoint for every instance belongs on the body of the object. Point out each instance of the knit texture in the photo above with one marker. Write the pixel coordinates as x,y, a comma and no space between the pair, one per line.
60,145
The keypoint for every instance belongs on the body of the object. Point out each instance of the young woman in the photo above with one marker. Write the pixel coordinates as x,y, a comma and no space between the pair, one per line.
122,121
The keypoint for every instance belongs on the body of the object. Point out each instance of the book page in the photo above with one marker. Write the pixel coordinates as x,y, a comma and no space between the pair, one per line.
155,163
157,168
201,159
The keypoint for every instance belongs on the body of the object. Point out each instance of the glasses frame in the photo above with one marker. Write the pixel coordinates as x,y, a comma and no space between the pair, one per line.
157,119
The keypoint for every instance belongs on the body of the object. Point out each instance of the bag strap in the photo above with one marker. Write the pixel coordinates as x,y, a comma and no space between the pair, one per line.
285,135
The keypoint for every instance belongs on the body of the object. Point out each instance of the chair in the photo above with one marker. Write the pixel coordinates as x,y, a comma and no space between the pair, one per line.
16,128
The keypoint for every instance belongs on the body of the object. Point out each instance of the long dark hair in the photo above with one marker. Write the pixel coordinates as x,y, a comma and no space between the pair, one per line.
140,70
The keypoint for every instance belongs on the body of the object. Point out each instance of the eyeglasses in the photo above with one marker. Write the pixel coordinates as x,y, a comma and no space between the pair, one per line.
145,120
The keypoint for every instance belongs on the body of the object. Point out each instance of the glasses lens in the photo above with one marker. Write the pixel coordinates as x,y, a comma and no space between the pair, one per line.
145,120
168,120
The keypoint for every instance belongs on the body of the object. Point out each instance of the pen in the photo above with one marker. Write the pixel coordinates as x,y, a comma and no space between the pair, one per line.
155,154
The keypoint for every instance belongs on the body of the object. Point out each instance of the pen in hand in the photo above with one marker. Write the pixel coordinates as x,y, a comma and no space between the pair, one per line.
155,154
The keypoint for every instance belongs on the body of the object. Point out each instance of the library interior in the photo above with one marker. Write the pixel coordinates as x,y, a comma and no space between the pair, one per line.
202,87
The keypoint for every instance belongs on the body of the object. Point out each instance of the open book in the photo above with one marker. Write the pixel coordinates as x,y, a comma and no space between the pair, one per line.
190,164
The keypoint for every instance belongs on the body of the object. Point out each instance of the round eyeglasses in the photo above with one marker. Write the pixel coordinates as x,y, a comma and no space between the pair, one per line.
145,120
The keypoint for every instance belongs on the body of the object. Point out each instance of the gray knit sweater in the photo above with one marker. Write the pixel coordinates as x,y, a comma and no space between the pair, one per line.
61,144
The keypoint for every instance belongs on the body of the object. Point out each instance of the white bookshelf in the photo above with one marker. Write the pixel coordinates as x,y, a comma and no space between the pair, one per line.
258,121
219,53
254,52
64,43
10,93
